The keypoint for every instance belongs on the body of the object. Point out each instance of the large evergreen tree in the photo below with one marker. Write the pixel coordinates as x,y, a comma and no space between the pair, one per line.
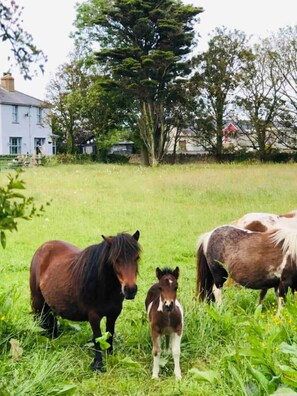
144,46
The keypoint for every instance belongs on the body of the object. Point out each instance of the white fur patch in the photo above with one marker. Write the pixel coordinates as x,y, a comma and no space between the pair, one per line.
160,306
288,236
149,310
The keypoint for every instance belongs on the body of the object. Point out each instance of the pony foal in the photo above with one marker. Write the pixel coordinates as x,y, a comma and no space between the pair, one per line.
165,315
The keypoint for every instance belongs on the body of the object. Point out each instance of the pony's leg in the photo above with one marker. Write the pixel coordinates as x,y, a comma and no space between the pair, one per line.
49,321
176,339
95,320
263,293
110,325
218,293
281,294
43,313
156,354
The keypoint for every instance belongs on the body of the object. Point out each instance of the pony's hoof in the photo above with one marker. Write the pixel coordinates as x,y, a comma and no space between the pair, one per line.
98,366
155,377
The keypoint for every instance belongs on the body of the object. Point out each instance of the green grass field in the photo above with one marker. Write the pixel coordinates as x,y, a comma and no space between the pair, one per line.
236,349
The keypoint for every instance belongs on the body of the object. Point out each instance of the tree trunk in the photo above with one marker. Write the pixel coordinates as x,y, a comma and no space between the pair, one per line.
145,158
151,131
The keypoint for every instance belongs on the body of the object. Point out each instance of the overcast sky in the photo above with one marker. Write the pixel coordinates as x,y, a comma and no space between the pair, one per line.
51,21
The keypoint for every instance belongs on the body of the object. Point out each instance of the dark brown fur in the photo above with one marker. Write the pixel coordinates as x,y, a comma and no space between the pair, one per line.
84,285
256,226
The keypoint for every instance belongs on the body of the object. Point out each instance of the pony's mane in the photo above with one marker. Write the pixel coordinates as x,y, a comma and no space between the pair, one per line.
288,238
95,263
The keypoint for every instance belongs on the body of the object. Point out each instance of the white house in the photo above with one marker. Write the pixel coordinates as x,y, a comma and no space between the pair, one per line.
22,127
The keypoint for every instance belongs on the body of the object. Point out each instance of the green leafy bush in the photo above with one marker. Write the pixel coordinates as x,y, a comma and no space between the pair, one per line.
14,205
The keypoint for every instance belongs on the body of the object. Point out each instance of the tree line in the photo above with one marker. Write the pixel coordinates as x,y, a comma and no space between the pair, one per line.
137,73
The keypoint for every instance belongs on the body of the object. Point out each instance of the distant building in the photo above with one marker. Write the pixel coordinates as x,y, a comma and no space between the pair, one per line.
120,148
23,130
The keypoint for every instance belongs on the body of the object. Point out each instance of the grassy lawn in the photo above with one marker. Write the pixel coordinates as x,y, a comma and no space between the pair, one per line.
236,349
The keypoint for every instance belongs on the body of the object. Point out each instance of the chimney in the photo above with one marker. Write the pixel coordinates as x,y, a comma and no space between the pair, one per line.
7,82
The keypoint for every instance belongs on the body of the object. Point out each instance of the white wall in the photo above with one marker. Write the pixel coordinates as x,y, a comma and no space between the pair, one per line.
27,128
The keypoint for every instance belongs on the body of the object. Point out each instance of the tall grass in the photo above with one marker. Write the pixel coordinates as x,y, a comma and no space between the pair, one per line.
236,349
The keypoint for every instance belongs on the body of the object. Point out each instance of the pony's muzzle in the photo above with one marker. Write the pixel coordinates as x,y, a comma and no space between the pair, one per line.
129,292
168,305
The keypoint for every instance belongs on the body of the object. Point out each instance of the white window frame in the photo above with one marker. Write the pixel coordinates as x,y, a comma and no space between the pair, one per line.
39,115
15,145
15,114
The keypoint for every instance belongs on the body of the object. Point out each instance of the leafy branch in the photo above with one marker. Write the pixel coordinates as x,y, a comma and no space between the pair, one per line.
14,205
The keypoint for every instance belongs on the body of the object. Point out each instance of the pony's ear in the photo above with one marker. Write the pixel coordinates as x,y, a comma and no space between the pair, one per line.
176,273
107,239
159,273
136,235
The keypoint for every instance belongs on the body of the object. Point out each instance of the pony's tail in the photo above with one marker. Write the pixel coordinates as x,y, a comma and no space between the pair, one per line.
205,280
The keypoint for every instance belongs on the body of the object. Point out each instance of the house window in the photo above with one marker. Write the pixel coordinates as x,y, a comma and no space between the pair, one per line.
54,147
39,115
15,113
15,145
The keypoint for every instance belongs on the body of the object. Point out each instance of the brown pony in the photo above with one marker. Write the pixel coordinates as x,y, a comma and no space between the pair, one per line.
256,260
165,315
84,285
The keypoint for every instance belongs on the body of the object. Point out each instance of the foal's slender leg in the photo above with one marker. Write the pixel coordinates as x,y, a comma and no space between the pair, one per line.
94,320
167,343
156,353
176,339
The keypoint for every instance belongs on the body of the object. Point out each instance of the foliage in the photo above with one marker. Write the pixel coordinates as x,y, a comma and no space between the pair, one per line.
217,77
144,47
21,42
260,100
14,205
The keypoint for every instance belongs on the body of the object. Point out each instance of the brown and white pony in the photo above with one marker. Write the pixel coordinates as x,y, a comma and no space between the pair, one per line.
255,260
261,222
264,221
165,315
